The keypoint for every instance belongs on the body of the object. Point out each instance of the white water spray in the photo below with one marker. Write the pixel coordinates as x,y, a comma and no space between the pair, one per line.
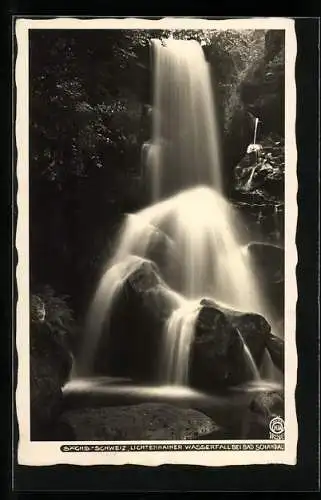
255,130
178,337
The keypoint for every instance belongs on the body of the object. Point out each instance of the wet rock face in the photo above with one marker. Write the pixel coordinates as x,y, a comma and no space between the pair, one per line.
144,278
211,321
218,354
210,371
131,341
262,170
147,421
216,347
254,328
260,93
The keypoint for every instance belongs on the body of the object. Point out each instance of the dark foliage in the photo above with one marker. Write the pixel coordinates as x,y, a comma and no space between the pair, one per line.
51,331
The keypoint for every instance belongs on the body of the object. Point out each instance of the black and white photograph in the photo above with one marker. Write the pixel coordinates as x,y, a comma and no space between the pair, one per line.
156,241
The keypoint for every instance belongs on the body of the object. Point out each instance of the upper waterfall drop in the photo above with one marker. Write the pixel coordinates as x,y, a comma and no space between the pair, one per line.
185,147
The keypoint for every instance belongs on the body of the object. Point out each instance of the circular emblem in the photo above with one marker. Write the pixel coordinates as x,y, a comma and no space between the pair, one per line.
277,425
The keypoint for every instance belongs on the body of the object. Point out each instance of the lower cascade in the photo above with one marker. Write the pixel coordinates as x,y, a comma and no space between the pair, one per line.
190,234
178,336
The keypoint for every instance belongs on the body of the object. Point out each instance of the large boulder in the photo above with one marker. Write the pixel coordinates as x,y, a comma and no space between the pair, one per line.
146,421
253,328
214,352
219,355
131,340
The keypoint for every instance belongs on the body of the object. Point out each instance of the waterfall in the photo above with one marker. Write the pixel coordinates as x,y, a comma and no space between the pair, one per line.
188,210
178,337
185,132
248,184
255,130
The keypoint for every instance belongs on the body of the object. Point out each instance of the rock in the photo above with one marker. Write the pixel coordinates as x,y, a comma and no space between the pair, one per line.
212,320
253,327
146,421
218,358
268,404
50,365
235,139
263,407
37,309
162,251
256,90
144,278
136,326
263,171
275,346
262,88
268,259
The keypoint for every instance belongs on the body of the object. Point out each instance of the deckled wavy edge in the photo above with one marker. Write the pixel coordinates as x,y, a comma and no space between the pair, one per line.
48,453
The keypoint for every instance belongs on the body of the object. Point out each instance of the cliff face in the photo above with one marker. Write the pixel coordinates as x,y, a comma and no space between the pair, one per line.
256,91
260,173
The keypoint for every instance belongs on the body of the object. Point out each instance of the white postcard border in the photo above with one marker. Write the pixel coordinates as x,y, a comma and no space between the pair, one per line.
48,453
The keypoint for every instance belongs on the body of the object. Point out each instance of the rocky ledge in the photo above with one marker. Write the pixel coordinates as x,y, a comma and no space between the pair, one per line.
146,421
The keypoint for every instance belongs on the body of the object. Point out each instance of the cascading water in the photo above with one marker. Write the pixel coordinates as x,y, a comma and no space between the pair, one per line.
185,133
109,287
253,148
248,184
178,337
189,208
255,130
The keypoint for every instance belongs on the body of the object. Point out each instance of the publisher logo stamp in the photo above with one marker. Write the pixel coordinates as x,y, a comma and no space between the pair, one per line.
276,428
